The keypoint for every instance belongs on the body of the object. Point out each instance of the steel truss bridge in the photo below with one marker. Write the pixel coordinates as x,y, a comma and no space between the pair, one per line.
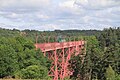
60,54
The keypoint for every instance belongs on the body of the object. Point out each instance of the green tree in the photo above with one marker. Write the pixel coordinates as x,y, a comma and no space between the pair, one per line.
19,53
110,73
33,72
8,61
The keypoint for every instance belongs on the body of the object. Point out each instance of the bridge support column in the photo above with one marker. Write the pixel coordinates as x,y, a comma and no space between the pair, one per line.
56,68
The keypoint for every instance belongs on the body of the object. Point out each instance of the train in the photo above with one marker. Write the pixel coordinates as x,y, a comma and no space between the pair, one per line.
60,39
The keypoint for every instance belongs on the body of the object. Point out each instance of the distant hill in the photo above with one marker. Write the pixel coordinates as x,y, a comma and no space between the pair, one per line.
31,34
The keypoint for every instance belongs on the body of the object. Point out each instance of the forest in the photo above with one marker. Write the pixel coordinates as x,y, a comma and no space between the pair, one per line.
20,60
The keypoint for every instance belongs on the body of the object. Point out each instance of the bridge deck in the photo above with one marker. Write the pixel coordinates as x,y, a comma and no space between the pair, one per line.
53,46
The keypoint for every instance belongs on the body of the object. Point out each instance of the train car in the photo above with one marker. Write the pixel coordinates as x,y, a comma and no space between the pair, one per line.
60,39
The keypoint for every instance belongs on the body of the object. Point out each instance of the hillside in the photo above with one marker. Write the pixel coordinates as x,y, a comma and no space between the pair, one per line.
19,59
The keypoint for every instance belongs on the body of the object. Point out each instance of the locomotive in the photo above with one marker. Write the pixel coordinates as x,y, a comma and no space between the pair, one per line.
60,39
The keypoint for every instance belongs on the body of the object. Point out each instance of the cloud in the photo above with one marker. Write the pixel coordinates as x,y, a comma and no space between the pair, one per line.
70,7
24,3
60,14
41,16
97,4
67,4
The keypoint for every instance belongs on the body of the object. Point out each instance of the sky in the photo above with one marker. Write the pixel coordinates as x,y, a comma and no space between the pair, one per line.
59,14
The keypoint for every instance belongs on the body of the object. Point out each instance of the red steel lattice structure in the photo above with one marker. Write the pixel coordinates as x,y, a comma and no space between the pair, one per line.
60,54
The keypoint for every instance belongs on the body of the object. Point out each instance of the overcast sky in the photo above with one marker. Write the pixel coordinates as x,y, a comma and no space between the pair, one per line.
59,14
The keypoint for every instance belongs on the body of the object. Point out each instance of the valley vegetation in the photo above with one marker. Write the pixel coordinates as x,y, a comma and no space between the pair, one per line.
20,60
